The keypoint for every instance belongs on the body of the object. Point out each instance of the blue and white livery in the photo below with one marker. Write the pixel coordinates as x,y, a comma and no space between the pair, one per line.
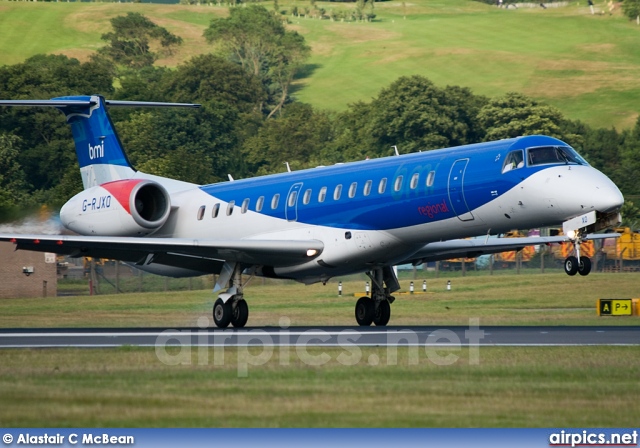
312,225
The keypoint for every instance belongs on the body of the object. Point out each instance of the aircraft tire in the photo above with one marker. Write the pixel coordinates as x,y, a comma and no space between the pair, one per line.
382,314
222,313
571,265
584,267
365,311
240,314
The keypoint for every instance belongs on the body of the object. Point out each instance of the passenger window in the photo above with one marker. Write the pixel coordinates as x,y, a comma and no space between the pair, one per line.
274,201
383,185
259,204
214,212
292,198
245,206
352,189
307,197
398,183
367,188
513,161
430,178
322,195
201,212
337,192
414,181
230,207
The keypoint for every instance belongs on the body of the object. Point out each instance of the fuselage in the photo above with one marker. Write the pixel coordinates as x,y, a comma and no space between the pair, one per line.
314,224
381,211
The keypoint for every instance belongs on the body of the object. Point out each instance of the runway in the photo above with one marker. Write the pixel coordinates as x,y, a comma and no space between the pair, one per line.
444,336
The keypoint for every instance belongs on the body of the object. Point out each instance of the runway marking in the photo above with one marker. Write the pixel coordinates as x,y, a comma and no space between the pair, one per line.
218,332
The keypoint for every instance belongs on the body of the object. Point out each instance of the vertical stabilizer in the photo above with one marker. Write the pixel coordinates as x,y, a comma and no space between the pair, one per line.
100,153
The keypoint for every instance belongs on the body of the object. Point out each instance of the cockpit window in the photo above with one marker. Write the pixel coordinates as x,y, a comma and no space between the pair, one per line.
554,155
513,161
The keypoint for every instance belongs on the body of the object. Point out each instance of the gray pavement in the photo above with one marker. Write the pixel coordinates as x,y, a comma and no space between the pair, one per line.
323,336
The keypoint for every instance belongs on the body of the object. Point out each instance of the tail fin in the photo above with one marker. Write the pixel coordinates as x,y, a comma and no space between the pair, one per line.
98,147
100,154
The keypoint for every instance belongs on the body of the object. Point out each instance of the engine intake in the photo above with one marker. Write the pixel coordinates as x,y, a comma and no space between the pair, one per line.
133,207
150,204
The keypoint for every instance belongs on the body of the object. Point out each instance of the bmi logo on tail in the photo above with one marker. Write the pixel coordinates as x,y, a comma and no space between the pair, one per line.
96,152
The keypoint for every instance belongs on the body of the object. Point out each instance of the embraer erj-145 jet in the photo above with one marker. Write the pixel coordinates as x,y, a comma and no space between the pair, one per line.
315,224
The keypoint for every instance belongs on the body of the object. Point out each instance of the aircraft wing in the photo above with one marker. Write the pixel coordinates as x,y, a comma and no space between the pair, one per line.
471,248
203,255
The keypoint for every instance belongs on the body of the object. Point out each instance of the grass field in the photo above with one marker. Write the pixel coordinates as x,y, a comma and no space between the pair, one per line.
502,299
517,386
509,387
588,66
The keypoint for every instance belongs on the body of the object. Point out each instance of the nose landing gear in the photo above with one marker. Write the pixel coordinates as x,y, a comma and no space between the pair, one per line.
576,264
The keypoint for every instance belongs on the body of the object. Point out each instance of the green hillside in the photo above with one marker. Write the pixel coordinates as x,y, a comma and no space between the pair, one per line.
588,66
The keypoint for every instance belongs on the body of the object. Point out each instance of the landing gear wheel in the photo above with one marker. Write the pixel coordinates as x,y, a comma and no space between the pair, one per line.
222,313
571,265
365,311
240,314
382,314
584,267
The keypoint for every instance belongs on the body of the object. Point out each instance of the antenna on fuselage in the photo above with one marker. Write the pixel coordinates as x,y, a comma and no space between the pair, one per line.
396,150
231,179
288,167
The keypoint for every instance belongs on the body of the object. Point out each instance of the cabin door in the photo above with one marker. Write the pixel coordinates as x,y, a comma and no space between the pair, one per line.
456,190
291,207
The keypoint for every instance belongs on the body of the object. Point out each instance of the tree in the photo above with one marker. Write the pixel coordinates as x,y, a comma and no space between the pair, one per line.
630,215
259,42
13,184
415,114
601,149
145,84
48,156
192,145
627,173
297,137
354,138
515,114
130,41
209,78
631,9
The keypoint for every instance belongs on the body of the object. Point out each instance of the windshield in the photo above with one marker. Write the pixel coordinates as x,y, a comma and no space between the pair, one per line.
554,155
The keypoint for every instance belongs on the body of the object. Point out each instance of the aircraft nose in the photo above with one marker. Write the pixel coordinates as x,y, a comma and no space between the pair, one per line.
605,195
582,189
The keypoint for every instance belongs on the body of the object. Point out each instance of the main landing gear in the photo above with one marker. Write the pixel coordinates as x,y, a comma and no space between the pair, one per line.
377,308
576,264
230,307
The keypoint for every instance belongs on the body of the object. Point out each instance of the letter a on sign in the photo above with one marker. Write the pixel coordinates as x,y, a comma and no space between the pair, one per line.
604,307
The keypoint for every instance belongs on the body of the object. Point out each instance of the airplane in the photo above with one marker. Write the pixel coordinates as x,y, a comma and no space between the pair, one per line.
316,224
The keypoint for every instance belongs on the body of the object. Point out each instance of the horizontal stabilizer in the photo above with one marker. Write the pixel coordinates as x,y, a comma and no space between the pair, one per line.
89,103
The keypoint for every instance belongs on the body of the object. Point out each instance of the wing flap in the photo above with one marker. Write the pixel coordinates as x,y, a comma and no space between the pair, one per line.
197,254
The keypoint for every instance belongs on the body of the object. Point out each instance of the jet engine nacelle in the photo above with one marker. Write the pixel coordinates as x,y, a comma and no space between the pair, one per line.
133,207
